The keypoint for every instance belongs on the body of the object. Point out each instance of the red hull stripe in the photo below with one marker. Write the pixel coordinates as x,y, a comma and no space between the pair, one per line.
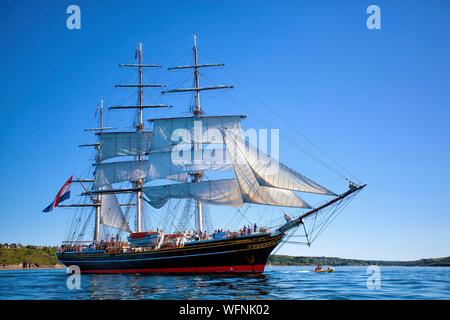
214,269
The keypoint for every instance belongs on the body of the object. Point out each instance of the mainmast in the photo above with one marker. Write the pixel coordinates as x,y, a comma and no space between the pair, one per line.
98,199
198,108
197,111
139,128
197,176
140,125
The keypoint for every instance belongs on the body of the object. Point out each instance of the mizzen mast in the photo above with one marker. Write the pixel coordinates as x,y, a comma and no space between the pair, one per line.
96,199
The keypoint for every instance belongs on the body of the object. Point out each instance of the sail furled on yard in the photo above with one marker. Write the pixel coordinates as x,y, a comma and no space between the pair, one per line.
189,130
216,192
252,191
119,144
111,213
160,165
272,173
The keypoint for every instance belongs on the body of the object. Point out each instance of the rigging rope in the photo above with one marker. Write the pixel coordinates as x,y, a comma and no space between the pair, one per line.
296,130
293,142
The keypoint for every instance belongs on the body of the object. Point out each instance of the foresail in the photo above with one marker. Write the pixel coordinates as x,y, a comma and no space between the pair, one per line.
188,130
118,144
252,191
272,173
273,197
111,214
217,192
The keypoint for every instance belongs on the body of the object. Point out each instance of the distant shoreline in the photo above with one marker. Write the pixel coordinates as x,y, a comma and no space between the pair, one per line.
282,260
60,266
32,257
19,267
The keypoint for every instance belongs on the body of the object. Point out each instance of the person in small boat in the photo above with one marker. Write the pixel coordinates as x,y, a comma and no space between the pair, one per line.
318,268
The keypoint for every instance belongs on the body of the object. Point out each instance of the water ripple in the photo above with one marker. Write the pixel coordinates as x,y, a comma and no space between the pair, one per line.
275,283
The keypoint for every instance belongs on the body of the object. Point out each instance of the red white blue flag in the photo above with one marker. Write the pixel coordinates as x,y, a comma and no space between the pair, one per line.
63,194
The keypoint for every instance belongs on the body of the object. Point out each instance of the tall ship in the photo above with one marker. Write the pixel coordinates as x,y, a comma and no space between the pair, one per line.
148,202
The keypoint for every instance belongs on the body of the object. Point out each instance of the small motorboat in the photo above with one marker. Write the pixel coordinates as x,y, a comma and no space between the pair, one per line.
324,270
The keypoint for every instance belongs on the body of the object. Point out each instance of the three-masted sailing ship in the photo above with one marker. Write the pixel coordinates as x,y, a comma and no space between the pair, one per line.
127,163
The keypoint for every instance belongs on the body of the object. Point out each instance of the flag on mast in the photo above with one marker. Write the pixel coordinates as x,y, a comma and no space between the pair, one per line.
63,194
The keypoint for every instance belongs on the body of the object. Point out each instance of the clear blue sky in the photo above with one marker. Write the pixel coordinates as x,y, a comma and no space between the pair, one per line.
377,101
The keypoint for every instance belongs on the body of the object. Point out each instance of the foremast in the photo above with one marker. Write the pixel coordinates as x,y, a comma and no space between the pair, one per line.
197,176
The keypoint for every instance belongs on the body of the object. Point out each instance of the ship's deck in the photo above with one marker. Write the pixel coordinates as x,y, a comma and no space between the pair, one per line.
121,247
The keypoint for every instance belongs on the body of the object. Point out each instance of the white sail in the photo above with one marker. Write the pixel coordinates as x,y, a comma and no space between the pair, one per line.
273,197
217,192
272,173
252,191
117,144
188,130
160,165
113,172
111,214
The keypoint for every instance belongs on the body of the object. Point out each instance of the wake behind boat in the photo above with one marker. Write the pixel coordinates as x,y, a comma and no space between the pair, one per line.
130,164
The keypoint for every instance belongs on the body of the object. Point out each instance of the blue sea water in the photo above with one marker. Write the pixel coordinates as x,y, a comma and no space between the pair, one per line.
275,283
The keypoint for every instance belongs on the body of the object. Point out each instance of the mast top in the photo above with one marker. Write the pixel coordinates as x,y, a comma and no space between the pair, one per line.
100,105
140,85
99,111
197,110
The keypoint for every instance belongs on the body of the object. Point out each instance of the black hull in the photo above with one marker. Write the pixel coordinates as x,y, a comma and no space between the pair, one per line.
243,254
